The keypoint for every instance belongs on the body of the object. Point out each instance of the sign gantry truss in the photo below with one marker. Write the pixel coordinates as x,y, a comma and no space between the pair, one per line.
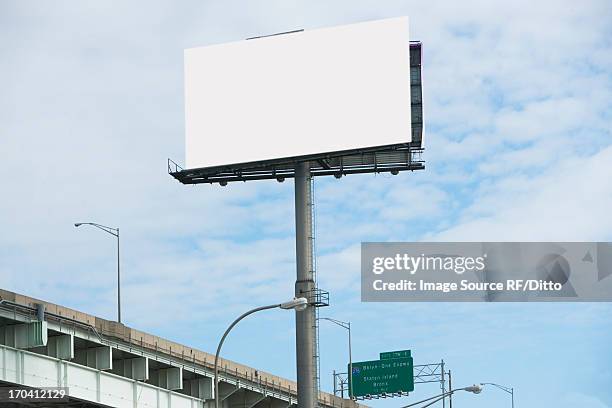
423,374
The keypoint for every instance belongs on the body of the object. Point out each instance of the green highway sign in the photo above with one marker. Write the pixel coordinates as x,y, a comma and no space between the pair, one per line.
395,354
382,377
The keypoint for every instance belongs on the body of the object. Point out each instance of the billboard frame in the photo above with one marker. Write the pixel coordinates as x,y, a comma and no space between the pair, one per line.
389,158
371,160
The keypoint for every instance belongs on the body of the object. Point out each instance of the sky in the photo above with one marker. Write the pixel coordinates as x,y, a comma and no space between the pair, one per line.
518,139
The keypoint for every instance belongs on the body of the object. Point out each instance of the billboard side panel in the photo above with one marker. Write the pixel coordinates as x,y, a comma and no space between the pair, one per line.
416,93
303,93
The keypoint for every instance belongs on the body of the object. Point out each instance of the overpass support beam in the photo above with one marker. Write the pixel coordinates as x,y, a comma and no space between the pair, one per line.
91,386
24,336
100,357
135,368
199,387
170,378
61,347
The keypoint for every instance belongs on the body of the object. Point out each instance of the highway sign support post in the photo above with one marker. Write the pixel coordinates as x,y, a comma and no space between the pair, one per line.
305,287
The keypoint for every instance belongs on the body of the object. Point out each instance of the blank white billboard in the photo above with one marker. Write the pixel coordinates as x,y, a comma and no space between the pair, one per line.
297,94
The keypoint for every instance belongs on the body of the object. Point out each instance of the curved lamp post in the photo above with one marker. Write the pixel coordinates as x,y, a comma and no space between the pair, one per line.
347,326
509,390
475,389
297,304
114,232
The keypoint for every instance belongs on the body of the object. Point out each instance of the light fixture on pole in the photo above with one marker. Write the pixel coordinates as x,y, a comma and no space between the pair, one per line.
509,390
347,326
297,304
475,389
114,232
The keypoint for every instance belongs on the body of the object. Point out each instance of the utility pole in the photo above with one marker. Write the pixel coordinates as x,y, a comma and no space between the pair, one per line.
443,384
450,387
304,287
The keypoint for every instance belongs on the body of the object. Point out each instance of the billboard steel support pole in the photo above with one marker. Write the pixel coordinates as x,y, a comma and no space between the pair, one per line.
304,287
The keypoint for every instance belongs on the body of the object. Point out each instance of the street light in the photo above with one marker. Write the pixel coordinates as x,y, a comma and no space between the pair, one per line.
509,390
347,326
297,304
475,389
114,232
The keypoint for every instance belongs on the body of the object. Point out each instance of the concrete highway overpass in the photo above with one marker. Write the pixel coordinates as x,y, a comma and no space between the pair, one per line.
107,364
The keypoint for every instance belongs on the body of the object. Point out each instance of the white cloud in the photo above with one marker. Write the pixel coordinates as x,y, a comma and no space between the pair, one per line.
568,202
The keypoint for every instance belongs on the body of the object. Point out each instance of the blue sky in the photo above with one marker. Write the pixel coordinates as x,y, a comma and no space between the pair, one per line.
518,115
